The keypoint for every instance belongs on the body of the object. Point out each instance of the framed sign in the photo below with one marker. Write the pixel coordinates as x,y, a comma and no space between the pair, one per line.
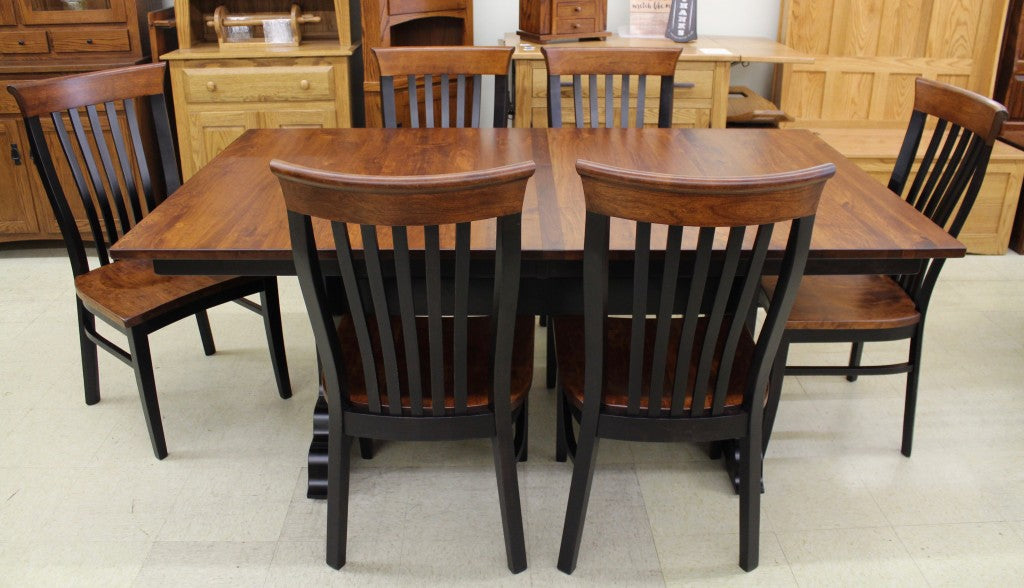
682,21
647,18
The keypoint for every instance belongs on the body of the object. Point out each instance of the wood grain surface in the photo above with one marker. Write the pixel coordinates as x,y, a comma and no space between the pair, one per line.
233,210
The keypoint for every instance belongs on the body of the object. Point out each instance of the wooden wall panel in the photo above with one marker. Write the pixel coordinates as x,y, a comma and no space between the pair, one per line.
867,53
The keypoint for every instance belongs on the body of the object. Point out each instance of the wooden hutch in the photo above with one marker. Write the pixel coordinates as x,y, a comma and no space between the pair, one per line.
220,90
47,38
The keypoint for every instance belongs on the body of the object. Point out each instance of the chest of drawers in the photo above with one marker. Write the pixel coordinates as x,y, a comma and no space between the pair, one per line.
555,20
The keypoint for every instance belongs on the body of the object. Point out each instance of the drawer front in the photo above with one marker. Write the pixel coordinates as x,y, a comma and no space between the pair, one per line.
573,26
259,84
90,40
18,42
410,6
581,9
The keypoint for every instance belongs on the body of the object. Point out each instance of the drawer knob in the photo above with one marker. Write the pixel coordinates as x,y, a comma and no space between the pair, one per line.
577,9
88,41
304,84
211,86
21,42
575,25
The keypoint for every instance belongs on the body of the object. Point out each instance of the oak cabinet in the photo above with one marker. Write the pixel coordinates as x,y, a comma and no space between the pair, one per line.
47,38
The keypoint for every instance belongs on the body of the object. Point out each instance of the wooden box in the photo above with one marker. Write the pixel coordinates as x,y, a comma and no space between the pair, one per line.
542,21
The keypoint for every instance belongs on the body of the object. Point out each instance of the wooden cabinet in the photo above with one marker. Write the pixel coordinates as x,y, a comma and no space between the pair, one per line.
557,20
46,38
221,93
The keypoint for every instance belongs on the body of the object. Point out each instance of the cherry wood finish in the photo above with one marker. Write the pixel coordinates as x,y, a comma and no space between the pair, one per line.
461,67
677,384
893,307
119,179
615,66
405,314
543,21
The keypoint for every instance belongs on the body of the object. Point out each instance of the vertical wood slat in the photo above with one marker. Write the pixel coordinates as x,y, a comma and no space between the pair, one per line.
913,196
595,116
669,280
358,314
641,100
609,100
83,189
445,90
428,100
460,92
407,309
965,173
691,316
937,168
435,336
414,111
168,157
554,101
379,306
477,91
641,270
951,167
463,236
387,88
577,94
108,171
96,183
746,304
127,176
905,159
624,108
722,294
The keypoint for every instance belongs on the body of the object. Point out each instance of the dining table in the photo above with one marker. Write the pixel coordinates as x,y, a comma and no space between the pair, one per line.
230,217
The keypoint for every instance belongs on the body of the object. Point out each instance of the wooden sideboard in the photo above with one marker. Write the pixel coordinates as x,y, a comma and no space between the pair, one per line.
219,93
703,72
40,39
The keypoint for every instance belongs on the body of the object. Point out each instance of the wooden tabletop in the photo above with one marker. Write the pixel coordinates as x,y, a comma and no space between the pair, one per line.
704,48
230,216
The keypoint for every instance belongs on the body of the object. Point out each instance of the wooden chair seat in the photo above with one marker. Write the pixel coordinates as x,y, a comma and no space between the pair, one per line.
570,357
129,293
849,302
478,361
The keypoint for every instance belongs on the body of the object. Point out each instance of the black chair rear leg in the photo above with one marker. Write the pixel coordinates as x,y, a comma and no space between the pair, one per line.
205,333
502,445
90,360
142,362
560,434
579,496
522,439
552,367
913,376
271,310
750,500
771,407
856,351
337,498
365,448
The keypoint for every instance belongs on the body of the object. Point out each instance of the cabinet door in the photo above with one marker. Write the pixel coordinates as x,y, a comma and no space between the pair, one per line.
71,11
321,118
210,132
7,13
17,215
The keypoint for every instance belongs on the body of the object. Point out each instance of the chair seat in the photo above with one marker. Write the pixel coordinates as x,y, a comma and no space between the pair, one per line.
849,303
478,363
129,293
570,355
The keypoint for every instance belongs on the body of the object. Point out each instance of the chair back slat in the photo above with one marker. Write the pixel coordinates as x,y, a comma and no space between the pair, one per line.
407,309
440,68
695,358
613,67
114,150
426,296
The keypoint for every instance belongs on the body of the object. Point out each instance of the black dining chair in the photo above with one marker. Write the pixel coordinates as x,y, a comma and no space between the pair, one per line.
857,309
106,136
452,81
609,71
431,347
683,364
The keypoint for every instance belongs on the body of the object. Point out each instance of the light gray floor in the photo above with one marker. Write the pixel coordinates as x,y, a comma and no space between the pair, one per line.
83,501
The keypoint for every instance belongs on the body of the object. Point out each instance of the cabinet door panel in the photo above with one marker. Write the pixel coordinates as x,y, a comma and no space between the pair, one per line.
17,215
211,131
7,13
323,118
71,12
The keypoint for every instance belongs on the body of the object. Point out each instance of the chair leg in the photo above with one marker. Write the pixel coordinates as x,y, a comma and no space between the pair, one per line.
561,444
366,448
142,362
771,407
271,311
522,438
579,496
90,360
750,500
552,365
508,498
337,494
205,333
856,351
910,404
